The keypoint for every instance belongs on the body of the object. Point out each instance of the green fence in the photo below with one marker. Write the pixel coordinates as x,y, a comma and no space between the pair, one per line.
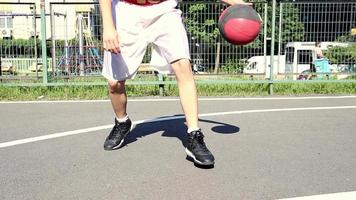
285,50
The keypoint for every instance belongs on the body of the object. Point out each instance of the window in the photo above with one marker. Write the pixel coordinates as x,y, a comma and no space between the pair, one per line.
253,65
305,56
10,22
6,20
85,19
289,55
2,22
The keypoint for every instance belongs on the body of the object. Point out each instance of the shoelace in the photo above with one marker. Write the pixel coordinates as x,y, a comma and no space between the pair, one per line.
199,138
116,132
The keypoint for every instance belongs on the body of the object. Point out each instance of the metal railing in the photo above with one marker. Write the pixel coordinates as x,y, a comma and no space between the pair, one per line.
18,20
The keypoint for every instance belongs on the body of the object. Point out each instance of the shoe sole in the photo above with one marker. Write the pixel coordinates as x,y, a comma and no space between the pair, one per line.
190,154
121,142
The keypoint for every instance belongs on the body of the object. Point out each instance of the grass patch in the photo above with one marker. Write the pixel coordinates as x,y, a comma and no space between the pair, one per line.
314,88
52,93
69,92
248,89
242,89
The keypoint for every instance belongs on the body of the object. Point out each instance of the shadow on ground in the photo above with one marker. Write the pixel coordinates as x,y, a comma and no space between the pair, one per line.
175,128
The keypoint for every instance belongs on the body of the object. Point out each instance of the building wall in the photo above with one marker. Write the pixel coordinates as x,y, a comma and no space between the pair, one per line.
25,27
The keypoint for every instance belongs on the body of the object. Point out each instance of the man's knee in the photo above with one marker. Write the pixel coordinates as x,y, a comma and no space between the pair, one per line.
181,62
116,86
182,66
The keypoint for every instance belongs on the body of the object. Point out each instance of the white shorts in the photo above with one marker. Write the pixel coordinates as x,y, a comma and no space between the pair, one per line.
137,26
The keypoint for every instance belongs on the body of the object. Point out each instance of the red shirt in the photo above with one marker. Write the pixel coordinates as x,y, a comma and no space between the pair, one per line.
144,2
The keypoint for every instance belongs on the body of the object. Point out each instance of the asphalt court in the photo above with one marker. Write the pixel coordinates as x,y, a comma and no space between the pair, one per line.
265,148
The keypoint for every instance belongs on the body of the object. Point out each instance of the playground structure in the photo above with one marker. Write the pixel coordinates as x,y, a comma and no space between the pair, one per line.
73,49
80,55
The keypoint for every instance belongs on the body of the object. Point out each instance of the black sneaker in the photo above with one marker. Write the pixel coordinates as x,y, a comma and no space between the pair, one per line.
117,135
197,150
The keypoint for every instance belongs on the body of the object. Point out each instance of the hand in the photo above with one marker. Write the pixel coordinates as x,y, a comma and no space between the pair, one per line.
111,40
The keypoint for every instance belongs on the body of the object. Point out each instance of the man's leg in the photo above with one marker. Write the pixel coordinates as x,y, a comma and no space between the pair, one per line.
195,147
187,91
123,124
118,97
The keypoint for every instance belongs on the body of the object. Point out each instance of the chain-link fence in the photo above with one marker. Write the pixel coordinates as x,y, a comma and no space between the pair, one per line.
210,53
19,42
310,38
76,39
316,34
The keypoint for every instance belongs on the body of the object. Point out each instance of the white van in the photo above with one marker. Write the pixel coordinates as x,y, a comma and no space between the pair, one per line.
300,55
262,65
297,58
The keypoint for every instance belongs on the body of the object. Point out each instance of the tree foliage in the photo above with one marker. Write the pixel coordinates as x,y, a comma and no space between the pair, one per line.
343,54
201,20
292,27
203,28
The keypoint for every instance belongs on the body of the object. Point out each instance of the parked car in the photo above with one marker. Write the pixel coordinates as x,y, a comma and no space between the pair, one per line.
7,67
33,68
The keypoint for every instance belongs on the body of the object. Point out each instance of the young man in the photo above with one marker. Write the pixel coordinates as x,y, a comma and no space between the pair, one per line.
129,26
318,51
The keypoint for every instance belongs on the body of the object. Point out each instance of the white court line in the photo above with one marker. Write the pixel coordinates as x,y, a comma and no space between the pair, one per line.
333,196
86,130
177,99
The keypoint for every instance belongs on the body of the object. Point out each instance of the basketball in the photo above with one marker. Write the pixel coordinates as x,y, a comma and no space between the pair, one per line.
239,24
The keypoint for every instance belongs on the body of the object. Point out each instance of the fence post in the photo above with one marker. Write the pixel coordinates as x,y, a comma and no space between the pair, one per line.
43,40
274,4
161,86
280,36
217,58
53,37
265,37
0,67
35,39
81,44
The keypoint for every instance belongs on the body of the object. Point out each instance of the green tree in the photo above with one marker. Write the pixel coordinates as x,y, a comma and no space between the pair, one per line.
202,20
343,55
292,27
199,25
